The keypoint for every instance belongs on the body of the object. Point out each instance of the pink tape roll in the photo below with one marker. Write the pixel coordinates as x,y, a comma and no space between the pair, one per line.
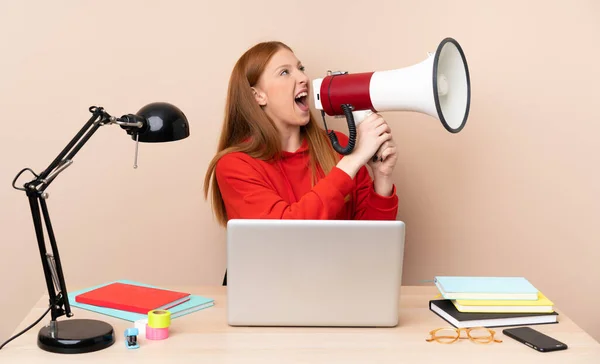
156,334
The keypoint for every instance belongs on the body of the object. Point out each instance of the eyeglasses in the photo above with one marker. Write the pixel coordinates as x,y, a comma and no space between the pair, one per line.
449,335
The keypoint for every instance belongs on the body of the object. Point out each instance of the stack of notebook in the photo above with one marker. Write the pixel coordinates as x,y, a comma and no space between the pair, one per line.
491,302
132,301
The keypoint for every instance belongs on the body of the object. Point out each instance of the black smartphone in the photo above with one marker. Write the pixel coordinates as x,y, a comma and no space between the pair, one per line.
534,339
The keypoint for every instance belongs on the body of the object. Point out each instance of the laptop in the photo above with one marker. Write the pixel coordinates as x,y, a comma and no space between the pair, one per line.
314,272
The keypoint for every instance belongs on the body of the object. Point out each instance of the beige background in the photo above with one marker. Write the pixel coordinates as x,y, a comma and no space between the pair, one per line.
516,193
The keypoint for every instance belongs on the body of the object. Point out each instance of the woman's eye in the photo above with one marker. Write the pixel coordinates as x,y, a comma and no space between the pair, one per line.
301,68
284,72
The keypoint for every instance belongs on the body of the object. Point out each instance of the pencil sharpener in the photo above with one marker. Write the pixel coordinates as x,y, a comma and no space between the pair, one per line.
131,341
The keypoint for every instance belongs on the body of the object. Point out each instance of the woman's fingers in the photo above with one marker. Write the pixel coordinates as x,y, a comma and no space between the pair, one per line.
383,128
384,138
387,152
381,140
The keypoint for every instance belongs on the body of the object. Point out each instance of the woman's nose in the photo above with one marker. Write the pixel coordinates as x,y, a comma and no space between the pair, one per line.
302,78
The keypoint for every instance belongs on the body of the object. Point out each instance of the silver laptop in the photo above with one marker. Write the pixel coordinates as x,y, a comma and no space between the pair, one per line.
314,272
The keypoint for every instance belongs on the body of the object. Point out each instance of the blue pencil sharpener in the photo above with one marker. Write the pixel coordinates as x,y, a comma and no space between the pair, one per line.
131,338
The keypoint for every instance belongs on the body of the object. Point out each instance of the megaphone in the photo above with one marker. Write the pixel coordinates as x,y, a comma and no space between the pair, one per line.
439,86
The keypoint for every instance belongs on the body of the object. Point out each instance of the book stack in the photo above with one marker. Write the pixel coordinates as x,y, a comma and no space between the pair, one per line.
132,301
491,302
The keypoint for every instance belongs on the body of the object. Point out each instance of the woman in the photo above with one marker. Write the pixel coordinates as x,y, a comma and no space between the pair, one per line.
275,162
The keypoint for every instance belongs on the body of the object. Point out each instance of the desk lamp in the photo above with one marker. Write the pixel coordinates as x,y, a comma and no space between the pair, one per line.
154,123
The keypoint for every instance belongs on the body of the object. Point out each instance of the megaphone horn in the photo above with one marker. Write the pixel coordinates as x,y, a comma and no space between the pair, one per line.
439,86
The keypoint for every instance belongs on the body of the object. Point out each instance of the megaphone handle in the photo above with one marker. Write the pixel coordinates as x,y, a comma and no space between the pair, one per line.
360,115
353,118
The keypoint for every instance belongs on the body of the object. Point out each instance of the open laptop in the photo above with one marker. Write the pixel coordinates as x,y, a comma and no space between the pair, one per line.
314,272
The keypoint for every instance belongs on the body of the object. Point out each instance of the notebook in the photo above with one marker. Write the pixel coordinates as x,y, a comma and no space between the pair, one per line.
486,288
195,303
132,298
542,304
446,310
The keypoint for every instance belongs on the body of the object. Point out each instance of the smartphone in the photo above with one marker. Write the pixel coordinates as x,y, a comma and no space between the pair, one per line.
534,339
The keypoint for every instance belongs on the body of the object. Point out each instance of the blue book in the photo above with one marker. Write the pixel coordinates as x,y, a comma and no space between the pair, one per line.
195,303
486,288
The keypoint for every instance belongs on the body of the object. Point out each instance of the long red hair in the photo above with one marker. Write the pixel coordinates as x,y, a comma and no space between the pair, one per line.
248,129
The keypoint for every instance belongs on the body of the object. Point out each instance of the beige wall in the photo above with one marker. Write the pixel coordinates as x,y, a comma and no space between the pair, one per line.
516,193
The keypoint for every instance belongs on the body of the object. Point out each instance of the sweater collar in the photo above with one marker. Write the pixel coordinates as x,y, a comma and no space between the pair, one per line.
301,150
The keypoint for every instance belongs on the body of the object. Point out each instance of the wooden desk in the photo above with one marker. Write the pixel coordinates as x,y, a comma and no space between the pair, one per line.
205,337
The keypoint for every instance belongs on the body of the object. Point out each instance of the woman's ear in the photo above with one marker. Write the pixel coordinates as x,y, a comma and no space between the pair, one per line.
259,96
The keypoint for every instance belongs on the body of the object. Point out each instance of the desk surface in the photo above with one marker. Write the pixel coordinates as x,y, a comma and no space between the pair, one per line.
205,337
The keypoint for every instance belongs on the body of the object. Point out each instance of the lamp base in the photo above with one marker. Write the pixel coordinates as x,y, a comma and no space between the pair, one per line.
76,336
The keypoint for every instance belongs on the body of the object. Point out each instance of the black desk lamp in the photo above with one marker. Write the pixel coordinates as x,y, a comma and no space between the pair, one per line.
154,123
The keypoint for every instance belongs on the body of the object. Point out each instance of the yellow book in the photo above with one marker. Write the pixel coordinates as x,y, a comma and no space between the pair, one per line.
542,304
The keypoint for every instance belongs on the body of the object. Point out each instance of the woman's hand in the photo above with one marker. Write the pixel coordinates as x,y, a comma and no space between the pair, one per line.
387,157
383,167
371,134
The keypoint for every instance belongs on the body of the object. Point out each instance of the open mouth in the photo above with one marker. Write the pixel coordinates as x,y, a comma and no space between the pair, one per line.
302,100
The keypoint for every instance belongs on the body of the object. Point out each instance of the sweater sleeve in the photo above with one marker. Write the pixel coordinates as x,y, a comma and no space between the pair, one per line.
369,204
248,194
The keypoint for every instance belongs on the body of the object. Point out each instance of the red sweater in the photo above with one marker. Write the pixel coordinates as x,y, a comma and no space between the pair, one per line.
255,189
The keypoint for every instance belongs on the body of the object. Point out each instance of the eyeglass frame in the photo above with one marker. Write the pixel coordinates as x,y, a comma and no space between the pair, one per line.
459,332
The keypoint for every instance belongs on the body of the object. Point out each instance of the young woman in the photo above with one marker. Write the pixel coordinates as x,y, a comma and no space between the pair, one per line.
275,162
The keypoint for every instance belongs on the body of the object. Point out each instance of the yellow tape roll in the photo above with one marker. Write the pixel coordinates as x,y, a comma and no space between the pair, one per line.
159,319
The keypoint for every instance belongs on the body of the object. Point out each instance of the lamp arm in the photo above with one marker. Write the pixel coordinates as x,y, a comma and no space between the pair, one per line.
34,189
55,281
78,140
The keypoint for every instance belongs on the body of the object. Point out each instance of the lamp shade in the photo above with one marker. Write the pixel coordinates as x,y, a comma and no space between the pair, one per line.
163,122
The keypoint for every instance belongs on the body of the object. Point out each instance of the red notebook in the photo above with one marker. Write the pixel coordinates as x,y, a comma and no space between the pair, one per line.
132,298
